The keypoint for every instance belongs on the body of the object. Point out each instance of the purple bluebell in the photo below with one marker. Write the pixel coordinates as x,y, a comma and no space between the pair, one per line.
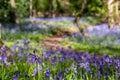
61,59
3,59
47,53
33,59
35,72
67,70
60,75
3,50
53,59
47,73
39,60
74,68
19,54
16,75
106,76
26,43
55,77
21,49
101,69
98,75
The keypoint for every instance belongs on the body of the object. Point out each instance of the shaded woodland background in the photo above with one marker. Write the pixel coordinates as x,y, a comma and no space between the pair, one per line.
14,10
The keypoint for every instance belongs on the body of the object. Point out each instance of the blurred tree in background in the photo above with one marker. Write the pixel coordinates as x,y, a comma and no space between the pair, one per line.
113,12
4,11
11,10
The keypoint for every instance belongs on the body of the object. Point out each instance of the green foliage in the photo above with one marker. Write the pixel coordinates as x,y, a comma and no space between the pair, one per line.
4,11
22,8
96,7
7,13
76,6
92,7
41,5
85,45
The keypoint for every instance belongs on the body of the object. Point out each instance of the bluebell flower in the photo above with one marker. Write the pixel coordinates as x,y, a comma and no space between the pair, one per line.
60,75
47,53
53,59
16,75
61,59
101,69
35,72
39,60
67,70
33,59
106,76
55,77
74,68
21,49
26,43
3,50
98,75
47,73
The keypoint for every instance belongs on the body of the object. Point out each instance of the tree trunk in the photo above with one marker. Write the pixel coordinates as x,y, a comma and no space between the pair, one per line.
113,13
110,13
51,8
77,19
31,9
117,14
13,6
1,42
0,30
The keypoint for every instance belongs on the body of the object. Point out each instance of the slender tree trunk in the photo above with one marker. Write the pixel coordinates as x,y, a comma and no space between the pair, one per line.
1,42
14,8
51,8
31,9
77,19
0,30
59,8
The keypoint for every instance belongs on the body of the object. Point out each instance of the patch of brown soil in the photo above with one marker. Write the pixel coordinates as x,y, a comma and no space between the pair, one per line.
61,33
52,42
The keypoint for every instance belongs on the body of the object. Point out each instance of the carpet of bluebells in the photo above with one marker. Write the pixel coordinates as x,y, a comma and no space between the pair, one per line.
101,34
27,62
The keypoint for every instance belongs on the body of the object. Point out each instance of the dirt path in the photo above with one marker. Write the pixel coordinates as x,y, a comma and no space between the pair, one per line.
55,41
